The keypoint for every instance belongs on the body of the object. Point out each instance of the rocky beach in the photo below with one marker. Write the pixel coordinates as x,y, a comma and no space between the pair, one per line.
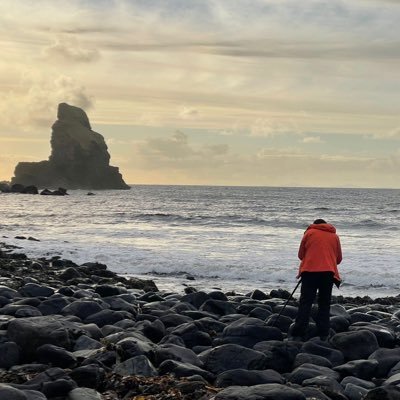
81,332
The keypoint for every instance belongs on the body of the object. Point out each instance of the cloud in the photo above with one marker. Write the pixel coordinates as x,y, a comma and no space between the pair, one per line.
37,105
69,49
188,112
175,147
312,139
176,151
269,127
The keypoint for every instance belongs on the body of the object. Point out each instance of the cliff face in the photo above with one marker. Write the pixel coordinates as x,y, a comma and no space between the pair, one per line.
79,158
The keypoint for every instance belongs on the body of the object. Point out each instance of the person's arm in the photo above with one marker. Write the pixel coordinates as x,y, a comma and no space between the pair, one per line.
339,252
302,248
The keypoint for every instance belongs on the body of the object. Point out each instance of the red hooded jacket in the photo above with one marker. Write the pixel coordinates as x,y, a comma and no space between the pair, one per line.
320,250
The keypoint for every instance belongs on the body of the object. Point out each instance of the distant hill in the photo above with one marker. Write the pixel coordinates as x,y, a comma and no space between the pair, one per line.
79,158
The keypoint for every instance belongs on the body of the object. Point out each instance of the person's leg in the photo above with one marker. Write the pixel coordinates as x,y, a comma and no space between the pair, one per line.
307,296
325,283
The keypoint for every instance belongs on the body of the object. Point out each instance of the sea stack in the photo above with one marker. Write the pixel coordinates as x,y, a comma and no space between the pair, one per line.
79,158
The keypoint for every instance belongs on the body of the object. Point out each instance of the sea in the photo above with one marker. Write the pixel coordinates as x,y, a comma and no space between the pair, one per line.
212,237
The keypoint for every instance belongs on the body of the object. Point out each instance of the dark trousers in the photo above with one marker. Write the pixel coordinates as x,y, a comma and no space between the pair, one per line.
311,282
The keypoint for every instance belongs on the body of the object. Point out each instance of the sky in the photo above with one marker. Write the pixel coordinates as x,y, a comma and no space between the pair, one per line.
210,92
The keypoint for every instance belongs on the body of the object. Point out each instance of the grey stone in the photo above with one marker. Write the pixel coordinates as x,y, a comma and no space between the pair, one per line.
387,359
180,369
231,356
56,356
244,377
9,354
248,331
388,392
82,308
139,365
308,371
354,392
305,358
270,391
9,393
363,369
34,395
355,345
90,376
279,355
35,290
357,382
86,343
31,333
323,349
177,353
192,335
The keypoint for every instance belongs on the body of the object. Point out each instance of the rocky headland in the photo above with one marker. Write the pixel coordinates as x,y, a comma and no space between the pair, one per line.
79,157
81,332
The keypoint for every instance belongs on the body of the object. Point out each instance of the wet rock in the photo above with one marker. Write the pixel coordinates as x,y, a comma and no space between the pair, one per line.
357,382
389,392
9,393
282,323
231,356
58,388
8,293
244,377
177,353
191,335
109,290
53,305
308,371
218,307
384,336
70,273
104,317
354,392
355,345
180,369
323,349
9,355
154,330
328,385
248,331
266,392
393,380
85,342
313,393
278,355
363,369
305,358
173,320
339,324
31,333
89,376
258,295
35,290
82,308
139,365
56,356
386,359
131,347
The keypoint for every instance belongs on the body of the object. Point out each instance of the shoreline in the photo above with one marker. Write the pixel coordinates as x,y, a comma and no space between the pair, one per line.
78,332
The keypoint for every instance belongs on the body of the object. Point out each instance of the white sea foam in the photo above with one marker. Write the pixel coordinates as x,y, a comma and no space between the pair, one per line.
242,237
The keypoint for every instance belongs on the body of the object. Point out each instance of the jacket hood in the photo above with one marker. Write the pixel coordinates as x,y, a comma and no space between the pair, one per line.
323,227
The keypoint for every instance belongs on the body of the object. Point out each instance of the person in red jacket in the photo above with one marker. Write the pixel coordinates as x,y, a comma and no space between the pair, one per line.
320,253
